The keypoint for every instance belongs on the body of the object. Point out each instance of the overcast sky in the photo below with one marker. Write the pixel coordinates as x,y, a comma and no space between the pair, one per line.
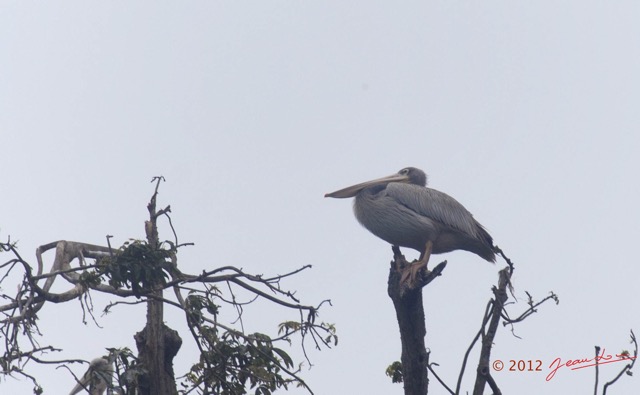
525,112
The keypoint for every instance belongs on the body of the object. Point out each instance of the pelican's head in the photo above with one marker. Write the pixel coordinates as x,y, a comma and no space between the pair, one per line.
409,175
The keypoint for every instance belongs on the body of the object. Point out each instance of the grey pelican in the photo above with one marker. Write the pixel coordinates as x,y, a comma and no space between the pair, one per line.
97,378
401,210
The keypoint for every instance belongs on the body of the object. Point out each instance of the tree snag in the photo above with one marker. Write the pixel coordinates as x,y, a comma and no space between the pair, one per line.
157,344
407,301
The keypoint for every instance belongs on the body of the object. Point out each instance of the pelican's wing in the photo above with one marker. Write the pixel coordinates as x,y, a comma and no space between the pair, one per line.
437,206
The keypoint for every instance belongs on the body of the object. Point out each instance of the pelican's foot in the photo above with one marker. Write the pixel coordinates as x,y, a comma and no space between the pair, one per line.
411,272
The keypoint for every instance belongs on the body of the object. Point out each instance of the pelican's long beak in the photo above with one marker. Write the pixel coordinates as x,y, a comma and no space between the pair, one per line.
354,189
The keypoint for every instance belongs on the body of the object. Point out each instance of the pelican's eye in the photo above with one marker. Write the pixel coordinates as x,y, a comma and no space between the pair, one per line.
404,171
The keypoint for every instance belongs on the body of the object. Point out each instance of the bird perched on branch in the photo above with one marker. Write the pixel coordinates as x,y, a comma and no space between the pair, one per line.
97,378
401,210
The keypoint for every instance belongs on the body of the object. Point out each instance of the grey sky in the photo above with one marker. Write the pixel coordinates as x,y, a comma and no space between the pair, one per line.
525,112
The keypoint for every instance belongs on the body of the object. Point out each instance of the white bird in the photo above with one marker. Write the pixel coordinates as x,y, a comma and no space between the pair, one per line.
97,378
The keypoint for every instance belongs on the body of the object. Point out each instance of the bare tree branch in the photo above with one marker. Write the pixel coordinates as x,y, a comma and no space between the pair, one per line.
500,297
627,368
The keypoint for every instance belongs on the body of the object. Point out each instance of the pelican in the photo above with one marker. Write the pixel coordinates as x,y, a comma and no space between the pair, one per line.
401,210
97,378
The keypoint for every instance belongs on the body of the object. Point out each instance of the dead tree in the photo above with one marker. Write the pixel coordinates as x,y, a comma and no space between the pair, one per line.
415,365
407,301
157,344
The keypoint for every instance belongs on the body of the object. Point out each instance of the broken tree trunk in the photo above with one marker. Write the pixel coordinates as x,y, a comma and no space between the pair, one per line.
407,301
157,344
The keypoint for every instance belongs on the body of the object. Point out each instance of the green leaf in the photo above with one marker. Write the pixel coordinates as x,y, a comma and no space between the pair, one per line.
285,357
395,372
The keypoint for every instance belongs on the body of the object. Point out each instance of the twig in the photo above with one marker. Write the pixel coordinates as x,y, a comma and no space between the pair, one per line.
429,366
597,358
485,319
500,297
628,367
